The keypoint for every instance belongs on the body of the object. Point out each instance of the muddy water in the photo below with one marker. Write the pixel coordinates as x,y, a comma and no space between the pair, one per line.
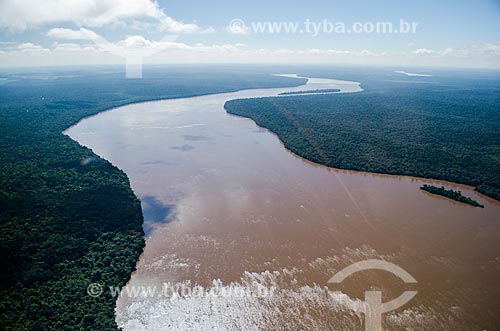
228,208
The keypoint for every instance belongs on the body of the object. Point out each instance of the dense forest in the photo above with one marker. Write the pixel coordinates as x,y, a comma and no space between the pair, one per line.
442,127
67,217
454,195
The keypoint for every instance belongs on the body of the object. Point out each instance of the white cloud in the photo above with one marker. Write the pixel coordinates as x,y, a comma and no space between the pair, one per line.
90,48
208,30
494,48
473,51
133,47
149,47
366,52
72,47
68,34
486,49
136,43
173,26
30,47
19,15
338,52
446,51
423,51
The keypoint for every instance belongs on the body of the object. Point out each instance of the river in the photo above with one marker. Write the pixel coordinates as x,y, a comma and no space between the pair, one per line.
227,207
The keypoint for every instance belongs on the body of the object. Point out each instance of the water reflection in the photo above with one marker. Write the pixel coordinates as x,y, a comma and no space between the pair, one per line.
155,213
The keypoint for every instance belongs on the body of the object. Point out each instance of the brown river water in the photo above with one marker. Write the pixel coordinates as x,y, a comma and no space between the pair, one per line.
251,233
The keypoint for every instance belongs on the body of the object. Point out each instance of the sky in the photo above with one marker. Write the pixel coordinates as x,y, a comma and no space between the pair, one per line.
459,33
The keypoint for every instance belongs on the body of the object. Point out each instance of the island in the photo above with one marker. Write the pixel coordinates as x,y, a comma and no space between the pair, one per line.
455,195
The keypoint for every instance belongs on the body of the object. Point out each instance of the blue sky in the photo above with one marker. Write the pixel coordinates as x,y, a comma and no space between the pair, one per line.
449,33
441,22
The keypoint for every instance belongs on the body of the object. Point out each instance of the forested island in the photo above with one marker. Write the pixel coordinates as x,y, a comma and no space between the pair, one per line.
67,217
333,90
441,128
454,195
